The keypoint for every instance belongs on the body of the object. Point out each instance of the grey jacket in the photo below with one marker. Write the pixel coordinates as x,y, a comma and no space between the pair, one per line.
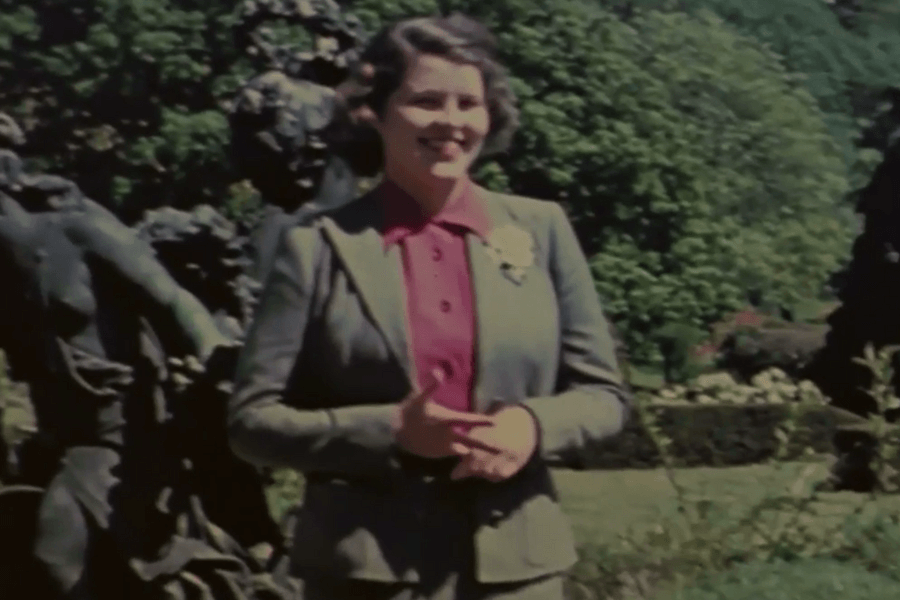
327,358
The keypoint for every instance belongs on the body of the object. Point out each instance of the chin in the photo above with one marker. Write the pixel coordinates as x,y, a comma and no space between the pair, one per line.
449,170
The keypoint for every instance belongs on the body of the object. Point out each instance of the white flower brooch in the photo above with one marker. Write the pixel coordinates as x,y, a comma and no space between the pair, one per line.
512,249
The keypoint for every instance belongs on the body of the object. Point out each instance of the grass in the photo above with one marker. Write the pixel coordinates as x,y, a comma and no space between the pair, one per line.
603,505
606,504
644,533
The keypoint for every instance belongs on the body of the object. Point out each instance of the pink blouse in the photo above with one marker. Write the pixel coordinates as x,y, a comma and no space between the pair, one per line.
440,302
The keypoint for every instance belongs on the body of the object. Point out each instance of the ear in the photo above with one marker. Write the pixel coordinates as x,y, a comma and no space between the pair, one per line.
365,115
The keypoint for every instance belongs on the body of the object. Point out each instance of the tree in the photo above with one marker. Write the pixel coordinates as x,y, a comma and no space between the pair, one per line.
692,162
845,50
695,166
868,310
124,96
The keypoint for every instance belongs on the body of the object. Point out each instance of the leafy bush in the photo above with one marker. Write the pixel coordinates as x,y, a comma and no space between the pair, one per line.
126,99
715,435
869,452
790,348
686,153
716,421
676,342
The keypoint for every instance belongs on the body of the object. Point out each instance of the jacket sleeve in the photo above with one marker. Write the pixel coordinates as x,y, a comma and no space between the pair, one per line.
262,428
591,402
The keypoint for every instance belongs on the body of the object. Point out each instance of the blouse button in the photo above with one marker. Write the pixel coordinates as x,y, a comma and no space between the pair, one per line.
445,306
436,253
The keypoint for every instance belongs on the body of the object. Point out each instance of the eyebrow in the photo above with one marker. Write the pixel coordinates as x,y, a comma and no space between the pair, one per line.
436,92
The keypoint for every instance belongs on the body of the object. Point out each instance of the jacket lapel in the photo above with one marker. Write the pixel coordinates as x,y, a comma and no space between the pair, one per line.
492,304
355,233
376,272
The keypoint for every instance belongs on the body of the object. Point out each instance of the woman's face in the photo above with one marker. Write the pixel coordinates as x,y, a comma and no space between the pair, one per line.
434,125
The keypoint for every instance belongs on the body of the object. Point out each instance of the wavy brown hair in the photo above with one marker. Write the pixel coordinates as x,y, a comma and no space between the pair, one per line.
380,70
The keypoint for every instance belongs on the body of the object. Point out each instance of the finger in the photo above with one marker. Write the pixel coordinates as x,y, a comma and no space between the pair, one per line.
460,449
500,468
469,466
193,364
456,418
435,381
477,442
460,471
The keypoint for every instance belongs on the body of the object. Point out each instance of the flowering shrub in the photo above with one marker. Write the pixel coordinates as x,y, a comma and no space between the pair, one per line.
771,386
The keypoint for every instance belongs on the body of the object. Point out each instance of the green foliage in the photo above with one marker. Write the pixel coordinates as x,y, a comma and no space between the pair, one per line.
374,14
778,548
880,448
793,581
790,347
125,97
844,65
693,165
713,435
677,343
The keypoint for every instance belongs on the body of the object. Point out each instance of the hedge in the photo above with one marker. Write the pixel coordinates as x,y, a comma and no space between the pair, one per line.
718,435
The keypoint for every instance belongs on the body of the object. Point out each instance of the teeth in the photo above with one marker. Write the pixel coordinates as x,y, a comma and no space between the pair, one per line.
440,143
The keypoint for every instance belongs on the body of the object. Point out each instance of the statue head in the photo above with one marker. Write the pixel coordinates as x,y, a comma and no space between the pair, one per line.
279,127
36,193
336,38
281,119
206,255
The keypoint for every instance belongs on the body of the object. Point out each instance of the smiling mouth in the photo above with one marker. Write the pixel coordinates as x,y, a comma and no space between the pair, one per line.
447,148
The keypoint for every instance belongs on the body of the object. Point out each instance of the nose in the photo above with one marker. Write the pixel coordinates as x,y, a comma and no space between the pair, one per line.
452,115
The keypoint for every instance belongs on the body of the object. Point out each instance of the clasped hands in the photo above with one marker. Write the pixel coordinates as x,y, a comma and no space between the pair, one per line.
492,446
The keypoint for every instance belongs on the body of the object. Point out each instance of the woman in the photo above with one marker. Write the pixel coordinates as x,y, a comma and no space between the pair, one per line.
424,353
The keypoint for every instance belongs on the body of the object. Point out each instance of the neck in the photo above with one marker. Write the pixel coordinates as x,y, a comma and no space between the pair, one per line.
433,196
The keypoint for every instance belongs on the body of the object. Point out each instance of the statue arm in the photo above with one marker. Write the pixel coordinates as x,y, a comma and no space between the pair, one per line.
118,246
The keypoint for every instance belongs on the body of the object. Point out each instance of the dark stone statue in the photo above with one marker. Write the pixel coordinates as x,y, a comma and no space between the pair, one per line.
11,136
127,338
125,368
208,256
281,119
336,38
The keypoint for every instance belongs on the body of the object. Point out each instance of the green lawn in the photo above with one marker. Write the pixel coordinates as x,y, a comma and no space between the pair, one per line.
603,504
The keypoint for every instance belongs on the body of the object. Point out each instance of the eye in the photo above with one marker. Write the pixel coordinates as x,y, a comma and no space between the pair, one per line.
427,101
470,102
